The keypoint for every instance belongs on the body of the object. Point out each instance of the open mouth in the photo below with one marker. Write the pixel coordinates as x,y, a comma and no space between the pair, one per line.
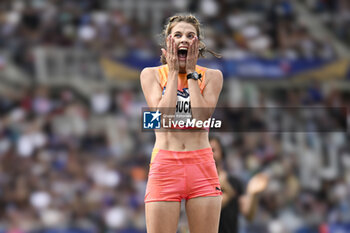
182,53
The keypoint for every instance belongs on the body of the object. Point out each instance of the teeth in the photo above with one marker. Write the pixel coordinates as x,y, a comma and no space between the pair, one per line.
185,49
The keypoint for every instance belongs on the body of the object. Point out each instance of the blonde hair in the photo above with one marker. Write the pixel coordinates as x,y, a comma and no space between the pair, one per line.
188,18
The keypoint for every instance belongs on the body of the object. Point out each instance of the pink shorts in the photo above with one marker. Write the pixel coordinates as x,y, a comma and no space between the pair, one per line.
177,175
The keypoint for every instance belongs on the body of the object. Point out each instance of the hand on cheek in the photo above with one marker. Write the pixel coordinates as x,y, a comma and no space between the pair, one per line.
192,55
171,54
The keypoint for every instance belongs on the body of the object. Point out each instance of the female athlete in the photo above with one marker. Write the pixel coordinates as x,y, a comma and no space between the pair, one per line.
182,164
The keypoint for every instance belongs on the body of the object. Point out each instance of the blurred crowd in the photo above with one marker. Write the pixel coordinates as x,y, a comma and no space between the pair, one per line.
79,163
69,162
335,14
310,186
237,29
65,163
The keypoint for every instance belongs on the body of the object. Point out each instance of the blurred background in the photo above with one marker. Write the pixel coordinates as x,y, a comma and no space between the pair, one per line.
72,154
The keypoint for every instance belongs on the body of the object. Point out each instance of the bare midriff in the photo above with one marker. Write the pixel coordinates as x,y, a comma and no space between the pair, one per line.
182,141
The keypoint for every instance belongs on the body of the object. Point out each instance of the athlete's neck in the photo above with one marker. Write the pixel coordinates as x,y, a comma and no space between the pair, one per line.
182,70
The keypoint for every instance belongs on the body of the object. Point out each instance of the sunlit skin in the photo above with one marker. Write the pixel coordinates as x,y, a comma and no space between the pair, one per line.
202,212
183,35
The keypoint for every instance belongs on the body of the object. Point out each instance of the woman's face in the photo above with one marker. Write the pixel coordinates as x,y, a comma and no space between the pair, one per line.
183,33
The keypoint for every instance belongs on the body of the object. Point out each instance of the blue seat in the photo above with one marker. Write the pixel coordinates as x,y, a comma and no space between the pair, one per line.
306,230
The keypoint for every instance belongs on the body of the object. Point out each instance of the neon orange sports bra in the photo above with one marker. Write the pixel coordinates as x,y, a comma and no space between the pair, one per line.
163,74
183,104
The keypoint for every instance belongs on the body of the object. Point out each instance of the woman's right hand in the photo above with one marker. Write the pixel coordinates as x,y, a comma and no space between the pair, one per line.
171,55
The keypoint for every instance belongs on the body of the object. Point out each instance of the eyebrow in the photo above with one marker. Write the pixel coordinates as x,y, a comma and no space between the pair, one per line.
188,32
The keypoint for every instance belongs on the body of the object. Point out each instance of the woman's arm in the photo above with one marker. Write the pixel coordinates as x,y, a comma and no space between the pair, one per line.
153,92
249,202
204,105
248,205
151,86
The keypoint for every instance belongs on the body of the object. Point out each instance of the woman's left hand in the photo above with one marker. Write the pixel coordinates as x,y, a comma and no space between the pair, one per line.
192,55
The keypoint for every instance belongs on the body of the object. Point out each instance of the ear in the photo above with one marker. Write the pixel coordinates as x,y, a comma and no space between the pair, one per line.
163,52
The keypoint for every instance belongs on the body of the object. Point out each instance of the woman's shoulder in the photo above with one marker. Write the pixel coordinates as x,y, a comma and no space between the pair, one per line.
149,72
208,70
150,75
213,74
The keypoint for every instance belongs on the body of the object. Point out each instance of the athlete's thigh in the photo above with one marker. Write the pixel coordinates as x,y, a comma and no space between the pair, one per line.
203,214
163,216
